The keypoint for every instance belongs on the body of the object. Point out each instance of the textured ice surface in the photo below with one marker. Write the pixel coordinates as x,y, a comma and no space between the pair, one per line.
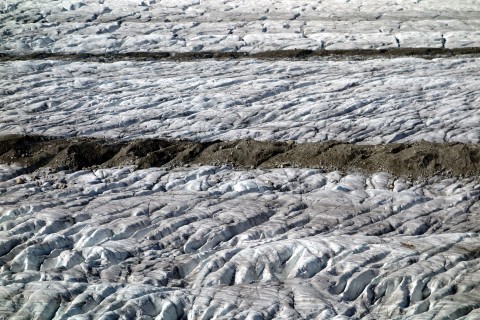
249,26
372,101
212,242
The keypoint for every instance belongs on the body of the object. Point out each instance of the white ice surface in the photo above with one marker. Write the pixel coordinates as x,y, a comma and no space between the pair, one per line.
99,26
372,101
212,242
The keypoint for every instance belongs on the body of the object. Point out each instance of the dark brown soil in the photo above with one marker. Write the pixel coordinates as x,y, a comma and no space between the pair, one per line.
356,54
413,160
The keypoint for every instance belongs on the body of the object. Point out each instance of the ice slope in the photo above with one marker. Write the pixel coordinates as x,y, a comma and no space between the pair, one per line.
248,26
371,101
212,242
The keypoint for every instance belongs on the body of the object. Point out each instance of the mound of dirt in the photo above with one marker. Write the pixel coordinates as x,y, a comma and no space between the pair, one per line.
357,54
413,160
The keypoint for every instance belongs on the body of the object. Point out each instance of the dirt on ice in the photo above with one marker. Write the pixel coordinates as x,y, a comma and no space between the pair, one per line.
412,160
294,54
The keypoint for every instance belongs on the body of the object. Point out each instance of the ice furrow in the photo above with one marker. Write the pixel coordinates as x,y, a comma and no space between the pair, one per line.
438,105
195,159
125,26
246,247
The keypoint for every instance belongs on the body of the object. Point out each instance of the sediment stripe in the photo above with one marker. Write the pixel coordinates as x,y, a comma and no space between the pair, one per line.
414,160
357,54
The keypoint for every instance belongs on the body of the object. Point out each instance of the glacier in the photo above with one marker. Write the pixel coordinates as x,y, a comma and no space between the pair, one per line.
372,101
214,241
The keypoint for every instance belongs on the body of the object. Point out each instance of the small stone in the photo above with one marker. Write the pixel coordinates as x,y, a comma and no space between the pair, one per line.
19,180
